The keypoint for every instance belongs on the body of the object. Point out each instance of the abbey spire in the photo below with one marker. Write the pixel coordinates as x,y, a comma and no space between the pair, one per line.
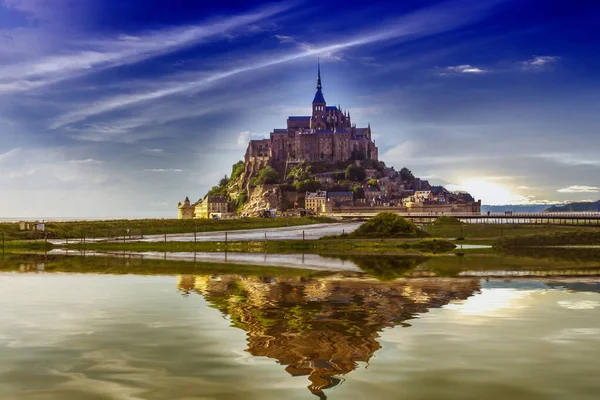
319,99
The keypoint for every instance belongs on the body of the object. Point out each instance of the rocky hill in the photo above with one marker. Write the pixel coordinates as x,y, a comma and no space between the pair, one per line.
252,188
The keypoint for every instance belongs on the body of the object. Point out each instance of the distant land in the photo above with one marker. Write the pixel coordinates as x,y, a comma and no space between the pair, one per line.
517,208
576,206
579,206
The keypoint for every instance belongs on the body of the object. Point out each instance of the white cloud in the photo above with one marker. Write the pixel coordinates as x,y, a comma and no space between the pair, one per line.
153,151
245,136
86,161
462,69
579,189
570,158
163,170
539,62
9,154
400,153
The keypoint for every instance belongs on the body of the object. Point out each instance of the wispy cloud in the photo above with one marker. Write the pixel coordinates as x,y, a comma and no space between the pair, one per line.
9,154
122,50
536,63
86,161
570,158
244,137
153,151
579,189
461,69
539,62
425,22
163,170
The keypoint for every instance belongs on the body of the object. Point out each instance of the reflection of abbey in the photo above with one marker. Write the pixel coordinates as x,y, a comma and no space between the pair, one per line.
322,328
326,135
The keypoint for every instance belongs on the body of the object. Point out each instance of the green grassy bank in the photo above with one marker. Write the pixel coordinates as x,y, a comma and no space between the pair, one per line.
569,238
324,246
138,227
498,231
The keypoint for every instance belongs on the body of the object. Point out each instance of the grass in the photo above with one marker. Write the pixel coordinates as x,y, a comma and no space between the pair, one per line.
471,232
553,239
24,246
324,246
138,227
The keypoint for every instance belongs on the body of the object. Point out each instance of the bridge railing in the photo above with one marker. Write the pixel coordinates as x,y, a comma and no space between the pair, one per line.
540,215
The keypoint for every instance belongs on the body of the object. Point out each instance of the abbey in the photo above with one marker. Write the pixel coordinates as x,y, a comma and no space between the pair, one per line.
326,135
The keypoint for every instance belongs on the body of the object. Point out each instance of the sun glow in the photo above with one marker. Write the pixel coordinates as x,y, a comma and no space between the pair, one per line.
489,191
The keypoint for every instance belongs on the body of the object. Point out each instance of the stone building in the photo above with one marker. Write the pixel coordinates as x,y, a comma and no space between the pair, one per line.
203,208
211,205
315,201
328,134
185,210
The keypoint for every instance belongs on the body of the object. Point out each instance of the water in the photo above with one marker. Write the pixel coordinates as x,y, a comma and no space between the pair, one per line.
293,335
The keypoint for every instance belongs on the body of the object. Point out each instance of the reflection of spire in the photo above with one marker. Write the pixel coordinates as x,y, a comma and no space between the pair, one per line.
322,328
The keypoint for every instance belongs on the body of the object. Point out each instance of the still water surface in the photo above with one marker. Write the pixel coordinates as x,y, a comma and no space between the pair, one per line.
89,336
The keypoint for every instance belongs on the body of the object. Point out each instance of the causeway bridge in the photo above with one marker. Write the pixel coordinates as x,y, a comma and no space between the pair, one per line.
541,218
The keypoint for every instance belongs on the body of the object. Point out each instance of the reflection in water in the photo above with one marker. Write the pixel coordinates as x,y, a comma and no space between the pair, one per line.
321,328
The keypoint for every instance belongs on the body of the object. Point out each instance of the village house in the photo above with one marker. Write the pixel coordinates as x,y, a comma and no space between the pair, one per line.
209,207
315,202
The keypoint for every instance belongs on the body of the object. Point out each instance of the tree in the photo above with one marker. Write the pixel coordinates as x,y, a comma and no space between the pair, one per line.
355,173
358,192
236,170
308,185
268,175
406,175
387,224
373,182
224,181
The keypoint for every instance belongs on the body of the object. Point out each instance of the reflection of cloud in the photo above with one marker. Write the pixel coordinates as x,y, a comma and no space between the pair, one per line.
574,334
579,305
579,189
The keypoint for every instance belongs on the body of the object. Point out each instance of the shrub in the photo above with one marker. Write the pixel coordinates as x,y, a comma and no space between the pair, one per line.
406,175
446,220
358,192
308,185
236,170
355,173
268,175
387,225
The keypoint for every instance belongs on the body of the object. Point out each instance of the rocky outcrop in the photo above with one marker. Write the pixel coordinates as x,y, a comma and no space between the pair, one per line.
263,197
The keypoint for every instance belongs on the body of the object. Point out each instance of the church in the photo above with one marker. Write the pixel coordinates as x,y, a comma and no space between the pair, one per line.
326,135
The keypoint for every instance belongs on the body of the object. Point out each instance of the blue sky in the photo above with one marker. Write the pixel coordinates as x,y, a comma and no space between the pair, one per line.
122,108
